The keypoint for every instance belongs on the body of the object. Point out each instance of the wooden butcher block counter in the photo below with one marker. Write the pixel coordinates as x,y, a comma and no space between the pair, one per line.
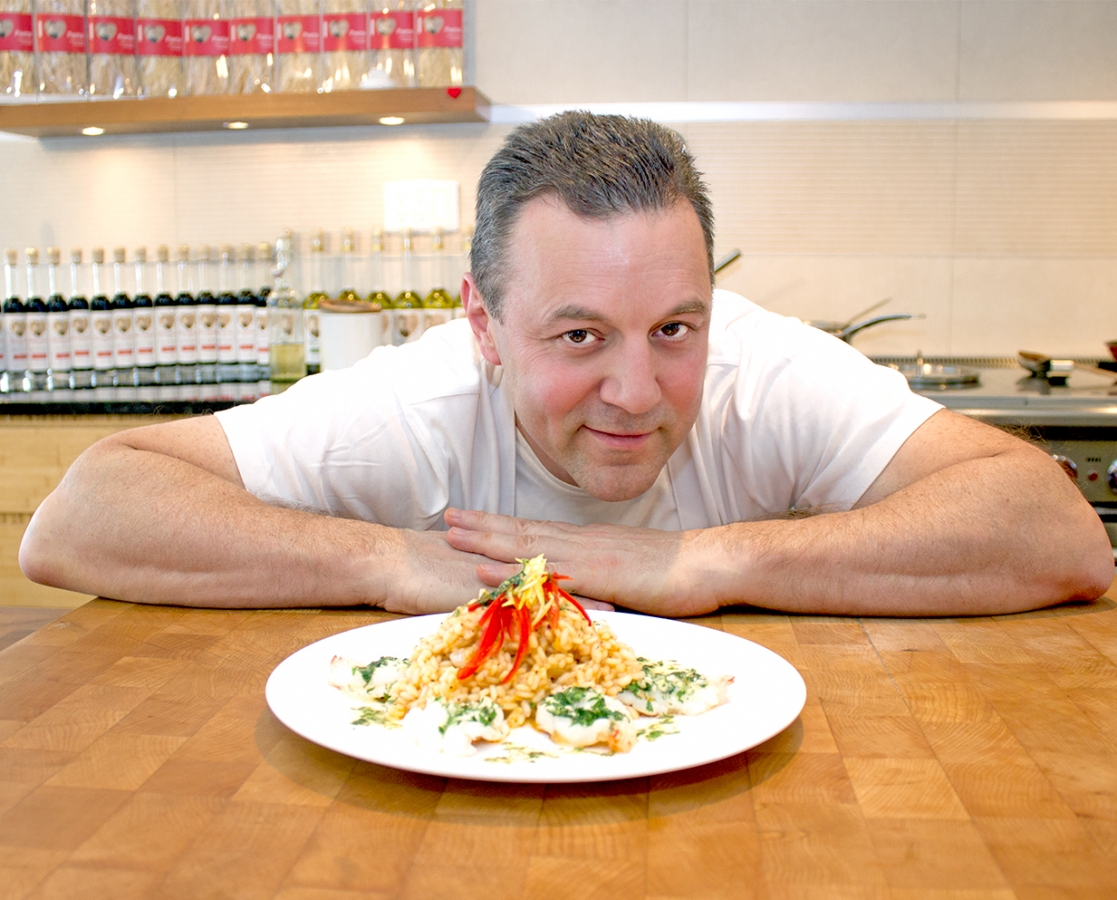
934,759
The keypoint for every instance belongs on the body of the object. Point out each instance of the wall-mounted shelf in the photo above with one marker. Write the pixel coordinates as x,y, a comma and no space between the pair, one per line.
416,106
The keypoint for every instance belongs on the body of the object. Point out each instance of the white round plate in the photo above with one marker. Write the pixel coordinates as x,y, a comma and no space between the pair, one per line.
766,696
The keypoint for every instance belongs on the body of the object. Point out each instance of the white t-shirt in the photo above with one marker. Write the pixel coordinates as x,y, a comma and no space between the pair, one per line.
791,419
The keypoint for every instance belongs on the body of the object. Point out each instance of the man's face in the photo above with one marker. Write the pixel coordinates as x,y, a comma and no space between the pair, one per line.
603,340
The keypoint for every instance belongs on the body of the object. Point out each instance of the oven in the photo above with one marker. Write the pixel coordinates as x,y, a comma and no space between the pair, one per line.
1069,407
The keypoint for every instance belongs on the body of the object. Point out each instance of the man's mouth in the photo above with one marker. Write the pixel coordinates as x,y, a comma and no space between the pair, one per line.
619,440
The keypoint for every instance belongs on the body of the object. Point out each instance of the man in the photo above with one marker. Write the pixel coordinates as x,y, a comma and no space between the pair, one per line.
662,446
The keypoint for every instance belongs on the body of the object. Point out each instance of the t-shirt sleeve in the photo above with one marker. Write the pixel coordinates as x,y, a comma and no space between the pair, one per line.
382,441
810,422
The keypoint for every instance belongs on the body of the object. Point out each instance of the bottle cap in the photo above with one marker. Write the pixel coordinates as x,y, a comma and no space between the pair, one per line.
347,241
97,254
141,254
184,252
32,256
317,241
53,255
263,251
226,251
247,253
203,253
119,255
162,253
75,256
11,257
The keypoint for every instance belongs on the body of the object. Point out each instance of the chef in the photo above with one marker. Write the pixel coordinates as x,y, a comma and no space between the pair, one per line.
670,447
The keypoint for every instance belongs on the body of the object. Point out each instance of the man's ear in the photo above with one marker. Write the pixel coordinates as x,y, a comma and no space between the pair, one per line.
479,319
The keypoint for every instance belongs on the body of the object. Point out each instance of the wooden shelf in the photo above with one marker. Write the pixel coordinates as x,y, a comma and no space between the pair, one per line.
418,106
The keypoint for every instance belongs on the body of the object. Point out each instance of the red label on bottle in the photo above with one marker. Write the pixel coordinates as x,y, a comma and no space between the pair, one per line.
205,37
251,36
60,34
112,34
158,37
345,31
439,28
392,30
298,34
17,32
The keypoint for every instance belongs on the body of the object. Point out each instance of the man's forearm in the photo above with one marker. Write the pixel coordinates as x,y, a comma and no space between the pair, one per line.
135,525
937,547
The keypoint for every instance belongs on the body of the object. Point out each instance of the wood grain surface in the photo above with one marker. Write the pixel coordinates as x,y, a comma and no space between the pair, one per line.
934,759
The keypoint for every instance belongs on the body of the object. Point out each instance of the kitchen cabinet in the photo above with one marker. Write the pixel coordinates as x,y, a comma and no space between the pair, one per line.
35,452
415,106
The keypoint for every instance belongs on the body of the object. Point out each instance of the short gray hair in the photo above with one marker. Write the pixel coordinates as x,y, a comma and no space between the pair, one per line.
599,166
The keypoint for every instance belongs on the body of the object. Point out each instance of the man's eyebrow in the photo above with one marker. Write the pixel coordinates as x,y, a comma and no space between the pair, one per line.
582,313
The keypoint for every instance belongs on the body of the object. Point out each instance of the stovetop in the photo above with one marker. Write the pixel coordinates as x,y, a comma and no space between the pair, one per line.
1008,394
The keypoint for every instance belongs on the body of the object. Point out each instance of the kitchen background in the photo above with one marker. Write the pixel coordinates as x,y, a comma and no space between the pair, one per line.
957,157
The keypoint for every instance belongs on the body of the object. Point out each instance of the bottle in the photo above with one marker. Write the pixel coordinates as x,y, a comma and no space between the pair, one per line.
100,322
144,326
376,259
438,305
407,319
226,319
123,325
310,305
81,329
462,267
186,320
348,294
263,338
246,317
58,326
286,316
15,326
38,349
439,42
206,322
166,322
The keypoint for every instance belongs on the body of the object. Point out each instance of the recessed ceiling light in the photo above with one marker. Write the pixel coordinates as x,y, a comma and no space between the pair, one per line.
391,120
93,131
236,126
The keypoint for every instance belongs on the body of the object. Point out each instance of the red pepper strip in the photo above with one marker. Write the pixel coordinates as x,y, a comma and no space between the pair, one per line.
578,605
495,624
524,615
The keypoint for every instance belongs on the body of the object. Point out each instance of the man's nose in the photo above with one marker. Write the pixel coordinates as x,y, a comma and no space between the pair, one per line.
632,380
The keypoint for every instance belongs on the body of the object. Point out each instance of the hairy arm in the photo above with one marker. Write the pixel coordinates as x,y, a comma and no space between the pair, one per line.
159,515
965,520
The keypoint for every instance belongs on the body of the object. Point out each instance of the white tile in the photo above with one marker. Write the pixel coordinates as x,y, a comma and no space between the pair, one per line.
569,51
864,50
1041,50
836,288
1050,306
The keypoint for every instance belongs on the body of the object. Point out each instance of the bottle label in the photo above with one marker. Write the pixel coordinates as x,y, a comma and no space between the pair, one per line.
37,349
344,31
144,331
15,324
207,334
81,339
58,340
226,334
205,37
186,326
112,34
17,32
246,333
158,37
439,28
392,30
166,336
263,347
298,34
123,340
102,339
60,34
251,36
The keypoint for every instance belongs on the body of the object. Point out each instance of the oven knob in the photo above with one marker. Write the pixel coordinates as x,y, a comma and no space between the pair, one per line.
1111,476
1071,468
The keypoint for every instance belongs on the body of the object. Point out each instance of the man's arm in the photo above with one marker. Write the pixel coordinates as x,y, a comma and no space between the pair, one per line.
965,520
159,515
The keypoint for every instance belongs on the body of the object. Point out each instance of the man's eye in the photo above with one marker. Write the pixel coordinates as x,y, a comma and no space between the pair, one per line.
578,336
674,329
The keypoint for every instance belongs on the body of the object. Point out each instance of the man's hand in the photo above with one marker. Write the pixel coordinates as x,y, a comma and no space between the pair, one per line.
638,568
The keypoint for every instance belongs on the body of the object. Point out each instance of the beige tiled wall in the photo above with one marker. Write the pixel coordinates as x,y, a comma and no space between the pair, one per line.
1002,232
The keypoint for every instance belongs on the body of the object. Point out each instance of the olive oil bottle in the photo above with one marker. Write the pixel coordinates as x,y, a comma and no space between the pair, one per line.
286,317
310,305
376,259
407,315
348,293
